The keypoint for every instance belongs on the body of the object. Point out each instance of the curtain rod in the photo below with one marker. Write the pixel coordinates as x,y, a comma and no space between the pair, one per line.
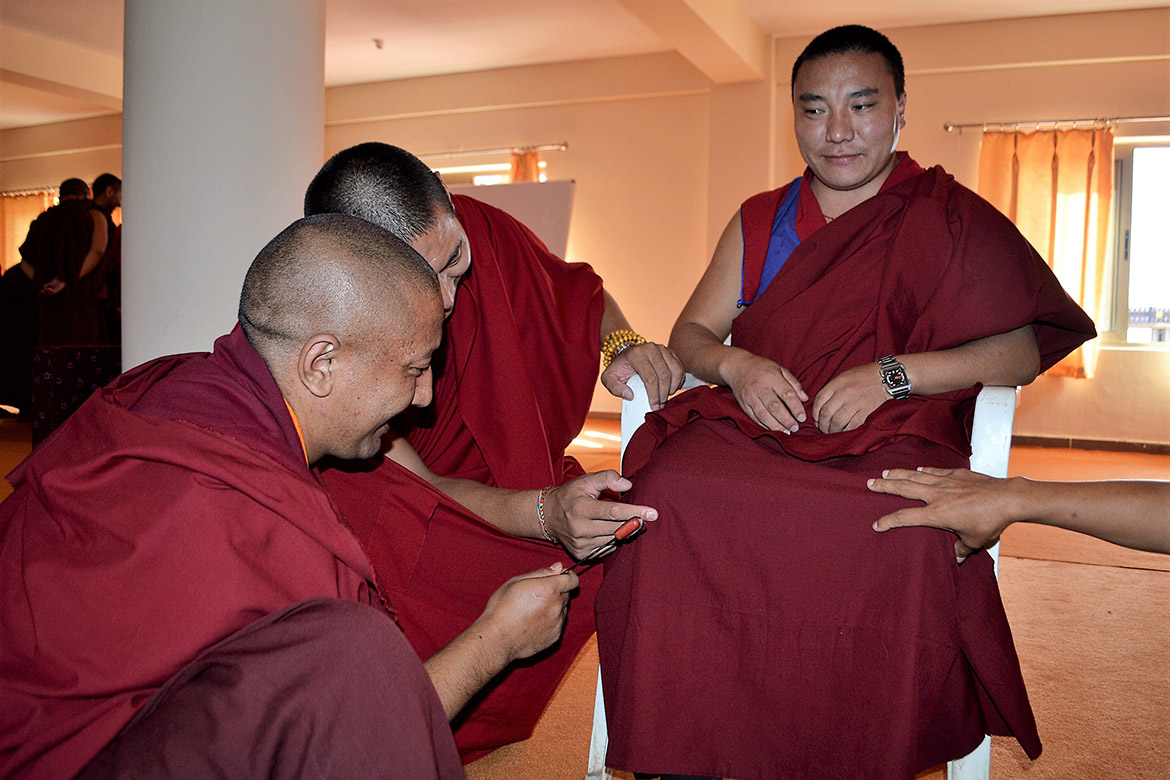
561,147
1117,120
36,191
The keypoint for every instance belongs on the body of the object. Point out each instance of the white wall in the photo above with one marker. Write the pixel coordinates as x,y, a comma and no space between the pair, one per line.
662,158
46,155
1071,67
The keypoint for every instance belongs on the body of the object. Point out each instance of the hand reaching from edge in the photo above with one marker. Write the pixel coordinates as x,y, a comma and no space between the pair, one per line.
967,504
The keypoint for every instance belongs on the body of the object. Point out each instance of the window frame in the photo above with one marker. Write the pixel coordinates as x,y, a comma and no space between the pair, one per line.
1117,332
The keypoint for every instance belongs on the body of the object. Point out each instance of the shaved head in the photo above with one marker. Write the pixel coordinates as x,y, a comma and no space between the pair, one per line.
382,184
346,317
331,274
395,190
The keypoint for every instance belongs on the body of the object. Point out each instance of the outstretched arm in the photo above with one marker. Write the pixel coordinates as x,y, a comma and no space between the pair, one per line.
523,617
574,514
765,390
978,508
1011,358
660,370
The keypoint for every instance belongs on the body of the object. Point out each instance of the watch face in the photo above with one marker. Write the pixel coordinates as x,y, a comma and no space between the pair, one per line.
895,376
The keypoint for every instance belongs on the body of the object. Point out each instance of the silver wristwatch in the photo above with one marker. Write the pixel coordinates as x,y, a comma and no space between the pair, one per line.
894,377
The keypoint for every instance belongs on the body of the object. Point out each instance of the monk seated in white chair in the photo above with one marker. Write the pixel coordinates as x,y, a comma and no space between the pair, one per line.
759,628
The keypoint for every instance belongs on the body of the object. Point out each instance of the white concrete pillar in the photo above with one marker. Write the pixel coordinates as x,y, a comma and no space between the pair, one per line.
223,127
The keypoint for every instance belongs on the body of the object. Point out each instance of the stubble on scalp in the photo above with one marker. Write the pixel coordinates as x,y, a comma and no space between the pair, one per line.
333,274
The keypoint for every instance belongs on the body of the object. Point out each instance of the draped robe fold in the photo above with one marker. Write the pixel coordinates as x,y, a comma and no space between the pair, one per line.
519,362
174,508
760,628
513,384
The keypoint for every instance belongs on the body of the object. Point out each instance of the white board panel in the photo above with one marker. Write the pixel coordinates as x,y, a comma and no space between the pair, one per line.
545,207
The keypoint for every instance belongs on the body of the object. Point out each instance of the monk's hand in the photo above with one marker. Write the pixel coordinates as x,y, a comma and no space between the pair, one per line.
972,506
658,366
527,613
769,393
577,517
849,398
53,286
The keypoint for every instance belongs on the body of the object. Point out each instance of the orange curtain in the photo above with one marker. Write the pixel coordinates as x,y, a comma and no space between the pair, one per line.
17,212
525,165
1057,187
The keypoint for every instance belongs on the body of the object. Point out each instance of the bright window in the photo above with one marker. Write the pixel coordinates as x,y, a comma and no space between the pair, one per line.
1143,245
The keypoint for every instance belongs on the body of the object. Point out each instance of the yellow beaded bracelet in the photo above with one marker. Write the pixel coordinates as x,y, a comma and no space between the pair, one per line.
617,342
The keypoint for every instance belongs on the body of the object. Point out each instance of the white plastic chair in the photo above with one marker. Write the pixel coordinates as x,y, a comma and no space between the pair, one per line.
991,440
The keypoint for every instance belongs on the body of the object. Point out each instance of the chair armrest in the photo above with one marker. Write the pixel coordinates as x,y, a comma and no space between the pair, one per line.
991,443
991,430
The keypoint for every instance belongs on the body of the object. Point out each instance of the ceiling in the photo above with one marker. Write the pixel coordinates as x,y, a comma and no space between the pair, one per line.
430,37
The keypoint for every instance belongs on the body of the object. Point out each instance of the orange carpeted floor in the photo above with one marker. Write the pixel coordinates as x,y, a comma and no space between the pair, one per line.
1091,622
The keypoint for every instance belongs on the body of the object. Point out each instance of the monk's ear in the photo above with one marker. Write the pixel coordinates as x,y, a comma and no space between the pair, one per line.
316,363
443,184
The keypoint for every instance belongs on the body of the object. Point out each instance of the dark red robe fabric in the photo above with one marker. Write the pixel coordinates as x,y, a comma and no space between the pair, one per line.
760,628
56,245
174,508
513,385
58,240
436,564
301,693
519,362
18,322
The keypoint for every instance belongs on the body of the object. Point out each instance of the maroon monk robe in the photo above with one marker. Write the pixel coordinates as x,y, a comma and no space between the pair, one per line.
760,628
301,693
519,363
58,240
513,384
56,246
18,323
174,508
436,564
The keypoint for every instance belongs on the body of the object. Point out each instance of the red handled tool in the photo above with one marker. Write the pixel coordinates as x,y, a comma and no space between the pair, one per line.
624,531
